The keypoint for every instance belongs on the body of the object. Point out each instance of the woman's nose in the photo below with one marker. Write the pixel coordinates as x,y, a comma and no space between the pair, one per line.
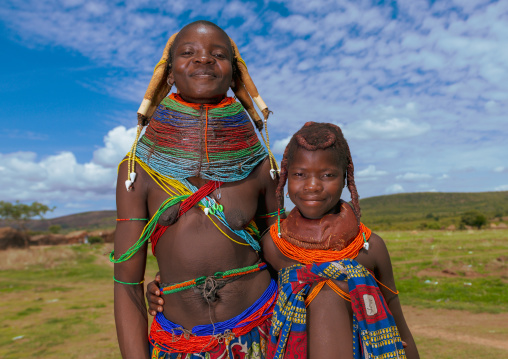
204,58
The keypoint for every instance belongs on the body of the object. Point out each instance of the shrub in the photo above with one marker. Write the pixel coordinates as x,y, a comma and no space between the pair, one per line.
54,228
95,240
473,219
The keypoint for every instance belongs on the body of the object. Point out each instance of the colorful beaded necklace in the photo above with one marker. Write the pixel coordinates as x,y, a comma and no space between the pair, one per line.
191,140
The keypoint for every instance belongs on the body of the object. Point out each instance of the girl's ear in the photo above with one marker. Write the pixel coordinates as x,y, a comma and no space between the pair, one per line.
233,83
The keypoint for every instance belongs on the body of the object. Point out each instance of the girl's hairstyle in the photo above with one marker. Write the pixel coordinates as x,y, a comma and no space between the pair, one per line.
320,136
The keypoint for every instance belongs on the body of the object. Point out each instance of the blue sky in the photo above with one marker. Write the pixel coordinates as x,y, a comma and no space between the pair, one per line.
420,88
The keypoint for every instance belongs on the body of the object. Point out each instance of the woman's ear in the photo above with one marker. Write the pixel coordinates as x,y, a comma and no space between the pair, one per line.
233,83
171,78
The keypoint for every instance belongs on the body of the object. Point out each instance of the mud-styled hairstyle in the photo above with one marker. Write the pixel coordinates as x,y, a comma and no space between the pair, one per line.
320,136
244,88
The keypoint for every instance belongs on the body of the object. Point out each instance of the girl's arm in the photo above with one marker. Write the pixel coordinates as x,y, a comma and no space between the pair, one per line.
130,308
384,273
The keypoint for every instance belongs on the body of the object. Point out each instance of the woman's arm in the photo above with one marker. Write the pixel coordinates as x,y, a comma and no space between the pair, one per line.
384,273
130,308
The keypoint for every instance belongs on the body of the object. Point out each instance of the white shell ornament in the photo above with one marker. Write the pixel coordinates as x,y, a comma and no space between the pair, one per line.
132,176
366,246
128,185
272,173
206,210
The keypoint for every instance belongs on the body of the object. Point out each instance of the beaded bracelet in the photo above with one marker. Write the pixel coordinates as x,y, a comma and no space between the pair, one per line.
119,281
131,219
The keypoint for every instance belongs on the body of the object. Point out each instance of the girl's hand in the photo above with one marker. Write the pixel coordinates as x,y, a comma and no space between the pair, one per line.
153,296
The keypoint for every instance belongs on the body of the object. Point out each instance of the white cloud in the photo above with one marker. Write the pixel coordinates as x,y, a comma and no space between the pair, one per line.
370,172
117,143
394,188
60,177
414,177
501,169
503,187
279,146
393,128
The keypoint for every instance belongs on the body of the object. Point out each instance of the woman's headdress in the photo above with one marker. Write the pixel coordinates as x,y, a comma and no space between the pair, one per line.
245,91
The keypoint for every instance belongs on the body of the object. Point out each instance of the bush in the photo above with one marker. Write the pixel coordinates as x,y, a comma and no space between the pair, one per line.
95,240
473,219
431,225
434,225
54,228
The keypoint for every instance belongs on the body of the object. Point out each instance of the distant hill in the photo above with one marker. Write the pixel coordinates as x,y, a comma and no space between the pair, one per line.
79,221
429,209
396,211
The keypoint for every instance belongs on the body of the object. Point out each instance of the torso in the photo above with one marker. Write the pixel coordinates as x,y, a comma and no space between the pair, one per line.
194,247
366,258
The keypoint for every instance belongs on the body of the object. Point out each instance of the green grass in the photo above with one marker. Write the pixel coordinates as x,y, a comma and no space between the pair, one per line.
408,211
51,309
451,270
57,302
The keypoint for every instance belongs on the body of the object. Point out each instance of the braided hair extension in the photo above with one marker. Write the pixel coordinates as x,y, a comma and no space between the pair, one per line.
320,136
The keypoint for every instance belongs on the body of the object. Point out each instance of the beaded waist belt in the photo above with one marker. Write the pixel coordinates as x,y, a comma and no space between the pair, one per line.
172,338
211,284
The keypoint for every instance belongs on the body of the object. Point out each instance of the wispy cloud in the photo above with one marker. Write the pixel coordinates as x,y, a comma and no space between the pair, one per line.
60,178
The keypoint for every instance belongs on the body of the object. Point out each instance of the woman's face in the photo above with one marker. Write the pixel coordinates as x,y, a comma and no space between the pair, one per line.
202,64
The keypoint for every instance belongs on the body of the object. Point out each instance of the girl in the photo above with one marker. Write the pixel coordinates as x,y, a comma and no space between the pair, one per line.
323,246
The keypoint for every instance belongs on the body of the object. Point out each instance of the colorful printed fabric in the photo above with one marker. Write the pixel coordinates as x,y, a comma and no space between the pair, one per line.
217,144
375,334
238,334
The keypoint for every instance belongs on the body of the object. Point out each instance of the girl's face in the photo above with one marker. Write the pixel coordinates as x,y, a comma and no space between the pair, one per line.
315,182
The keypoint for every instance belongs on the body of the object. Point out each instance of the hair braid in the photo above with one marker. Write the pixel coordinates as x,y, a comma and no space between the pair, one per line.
279,192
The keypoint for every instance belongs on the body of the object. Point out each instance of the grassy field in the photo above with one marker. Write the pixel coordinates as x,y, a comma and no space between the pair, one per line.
57,302
402,211
433,210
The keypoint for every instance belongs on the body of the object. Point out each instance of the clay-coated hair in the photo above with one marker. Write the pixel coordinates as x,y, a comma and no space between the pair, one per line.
320,136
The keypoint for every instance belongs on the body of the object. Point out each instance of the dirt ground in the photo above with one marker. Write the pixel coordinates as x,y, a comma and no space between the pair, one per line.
458,334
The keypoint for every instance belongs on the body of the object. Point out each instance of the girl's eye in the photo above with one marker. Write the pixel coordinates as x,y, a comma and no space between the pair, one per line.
219,55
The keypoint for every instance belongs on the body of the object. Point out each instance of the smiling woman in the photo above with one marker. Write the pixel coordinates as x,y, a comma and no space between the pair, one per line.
201,179
201,63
